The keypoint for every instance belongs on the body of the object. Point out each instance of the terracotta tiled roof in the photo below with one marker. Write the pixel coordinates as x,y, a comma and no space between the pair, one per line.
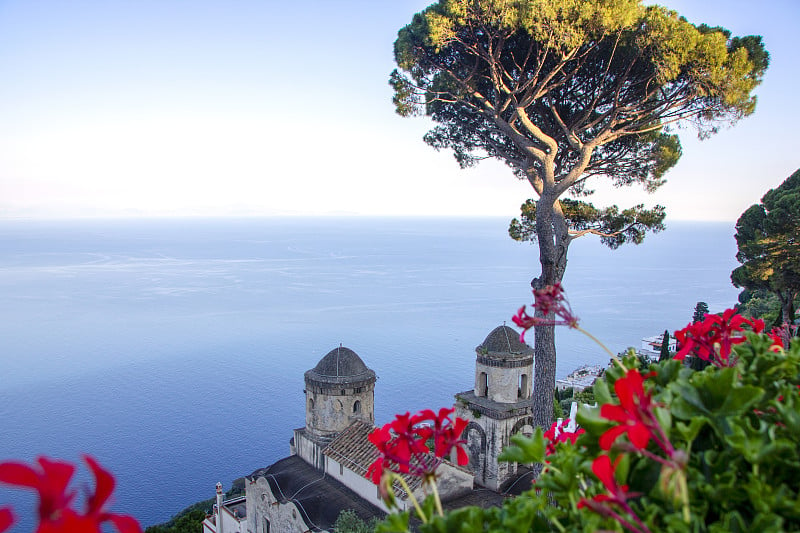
353,449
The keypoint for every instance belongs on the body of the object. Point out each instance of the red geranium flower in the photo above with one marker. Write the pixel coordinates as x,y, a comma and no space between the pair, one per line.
556,434
525,321
634,412
445,432
550,299
104,486
713,338
605,472
616,495
6,518
50,480
402,443
56,515
781,336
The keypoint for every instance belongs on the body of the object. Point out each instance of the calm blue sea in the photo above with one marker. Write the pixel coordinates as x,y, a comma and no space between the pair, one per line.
173,350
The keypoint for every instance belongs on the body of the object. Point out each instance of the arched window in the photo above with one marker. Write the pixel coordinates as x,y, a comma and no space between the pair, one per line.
311,404
523,386
357,406
483,385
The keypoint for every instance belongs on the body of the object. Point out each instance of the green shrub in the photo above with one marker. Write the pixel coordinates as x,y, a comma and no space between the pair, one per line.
732,459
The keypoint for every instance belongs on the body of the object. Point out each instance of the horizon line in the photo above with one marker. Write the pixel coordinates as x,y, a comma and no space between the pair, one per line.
178,216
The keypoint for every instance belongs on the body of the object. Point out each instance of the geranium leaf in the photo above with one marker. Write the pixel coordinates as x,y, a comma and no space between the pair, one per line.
393,523
525,449
601,393
690,432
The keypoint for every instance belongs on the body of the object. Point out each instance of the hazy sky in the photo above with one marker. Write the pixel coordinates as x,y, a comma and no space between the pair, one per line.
217,107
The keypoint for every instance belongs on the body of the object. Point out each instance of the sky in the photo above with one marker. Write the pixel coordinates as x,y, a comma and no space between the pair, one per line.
260,107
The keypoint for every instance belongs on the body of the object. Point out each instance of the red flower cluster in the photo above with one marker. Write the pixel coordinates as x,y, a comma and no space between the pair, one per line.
403,443
713,338
615,497
634,412
548,300
605,472
777,339
781,336
556,434
51,479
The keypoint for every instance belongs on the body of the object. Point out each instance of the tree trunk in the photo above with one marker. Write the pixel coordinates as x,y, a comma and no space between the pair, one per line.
553,238
544,375
787,306
787,314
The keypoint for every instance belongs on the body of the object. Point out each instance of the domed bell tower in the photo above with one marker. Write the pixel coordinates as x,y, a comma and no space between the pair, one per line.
339,390
499,405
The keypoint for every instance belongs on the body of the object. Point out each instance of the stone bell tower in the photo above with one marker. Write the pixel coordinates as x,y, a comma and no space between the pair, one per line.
499,405
339,390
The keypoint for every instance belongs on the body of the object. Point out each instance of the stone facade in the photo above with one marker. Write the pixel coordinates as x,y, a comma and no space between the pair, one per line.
271,513
499,406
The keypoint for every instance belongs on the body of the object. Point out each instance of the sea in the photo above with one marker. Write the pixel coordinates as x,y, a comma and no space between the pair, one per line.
173,350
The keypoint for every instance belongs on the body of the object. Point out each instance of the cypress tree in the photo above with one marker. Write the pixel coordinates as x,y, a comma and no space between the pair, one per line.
665,355
700,311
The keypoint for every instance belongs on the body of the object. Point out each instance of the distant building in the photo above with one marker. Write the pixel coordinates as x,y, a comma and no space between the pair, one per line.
651,346
229,516
580,379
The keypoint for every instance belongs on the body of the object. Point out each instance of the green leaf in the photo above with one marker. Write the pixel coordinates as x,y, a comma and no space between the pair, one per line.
393,523
589,419
689,433
524,449
601,393
464,519
715,393
664,418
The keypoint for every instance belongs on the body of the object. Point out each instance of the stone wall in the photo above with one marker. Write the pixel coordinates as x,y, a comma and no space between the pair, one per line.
264,510
486,437
309,447
360,485
503,384
330,411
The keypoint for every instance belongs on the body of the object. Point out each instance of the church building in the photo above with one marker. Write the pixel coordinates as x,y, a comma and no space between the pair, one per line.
326,471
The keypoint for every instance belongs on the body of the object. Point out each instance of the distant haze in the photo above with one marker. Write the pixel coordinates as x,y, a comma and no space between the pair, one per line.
283,108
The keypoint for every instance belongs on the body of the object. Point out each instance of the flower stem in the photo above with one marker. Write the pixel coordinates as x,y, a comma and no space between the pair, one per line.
644,528
436,498
412,498
558,525
654,457
603,346
626,523
687,516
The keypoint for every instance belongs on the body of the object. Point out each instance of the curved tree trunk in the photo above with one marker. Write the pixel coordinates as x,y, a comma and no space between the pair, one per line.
553,238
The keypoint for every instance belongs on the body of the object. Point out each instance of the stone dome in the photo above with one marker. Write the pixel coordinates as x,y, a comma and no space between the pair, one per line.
504,341
341,366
